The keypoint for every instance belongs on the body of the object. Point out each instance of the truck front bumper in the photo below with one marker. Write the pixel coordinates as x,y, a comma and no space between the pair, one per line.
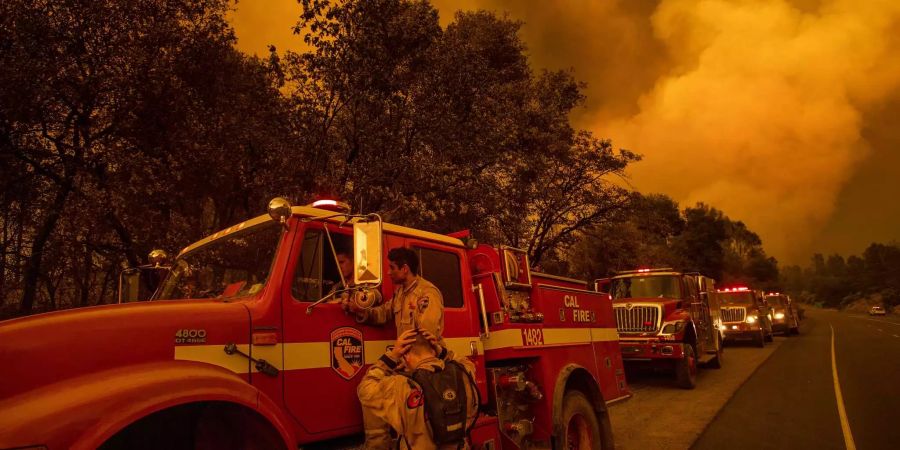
634,350
741,331
780,326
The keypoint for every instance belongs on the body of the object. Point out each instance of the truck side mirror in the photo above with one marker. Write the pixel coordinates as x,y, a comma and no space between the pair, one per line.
602,285
129,285
137,284
367,252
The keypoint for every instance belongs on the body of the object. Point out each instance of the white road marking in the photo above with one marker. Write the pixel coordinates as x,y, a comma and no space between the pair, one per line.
894,335
842,413
879,329
876,321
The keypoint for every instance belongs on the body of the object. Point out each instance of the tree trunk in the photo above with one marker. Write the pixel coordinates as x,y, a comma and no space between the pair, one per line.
125,238
84,295
35,260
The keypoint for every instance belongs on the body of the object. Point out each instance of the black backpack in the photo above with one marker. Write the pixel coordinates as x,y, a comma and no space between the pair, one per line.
444,393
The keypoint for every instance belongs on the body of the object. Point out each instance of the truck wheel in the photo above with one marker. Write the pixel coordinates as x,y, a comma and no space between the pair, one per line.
581,429
686,369
716,362
760,341
795,330
770,337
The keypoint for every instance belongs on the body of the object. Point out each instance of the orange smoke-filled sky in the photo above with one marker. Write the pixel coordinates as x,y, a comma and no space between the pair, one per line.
781,113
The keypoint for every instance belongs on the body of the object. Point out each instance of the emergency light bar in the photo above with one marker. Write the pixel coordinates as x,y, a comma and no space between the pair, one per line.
735,289
331,205
661,269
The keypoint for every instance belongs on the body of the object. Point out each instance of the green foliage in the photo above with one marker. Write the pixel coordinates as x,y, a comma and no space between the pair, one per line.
122,122
834,281
653,232
448,129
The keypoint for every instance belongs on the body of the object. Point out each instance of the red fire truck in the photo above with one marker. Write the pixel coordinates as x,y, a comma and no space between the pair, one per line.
241,346
746,315
785,318
668,319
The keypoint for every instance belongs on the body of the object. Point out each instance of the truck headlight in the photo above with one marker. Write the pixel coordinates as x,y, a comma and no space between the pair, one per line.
672,328
779,315
751,319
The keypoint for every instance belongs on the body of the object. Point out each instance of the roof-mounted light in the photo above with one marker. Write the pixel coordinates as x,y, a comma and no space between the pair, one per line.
735,289
645,270
331,205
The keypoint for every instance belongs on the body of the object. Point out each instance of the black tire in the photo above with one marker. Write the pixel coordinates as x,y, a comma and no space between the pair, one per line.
760,341
770,337
716,363
581,428
686,369
795,331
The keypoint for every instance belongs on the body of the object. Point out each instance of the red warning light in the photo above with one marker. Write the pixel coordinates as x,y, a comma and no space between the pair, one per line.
331,205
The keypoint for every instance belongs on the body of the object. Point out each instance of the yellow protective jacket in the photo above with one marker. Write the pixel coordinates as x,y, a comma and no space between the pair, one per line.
397,399
419,304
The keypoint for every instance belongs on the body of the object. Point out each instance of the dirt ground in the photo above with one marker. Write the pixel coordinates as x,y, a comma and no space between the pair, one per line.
662,416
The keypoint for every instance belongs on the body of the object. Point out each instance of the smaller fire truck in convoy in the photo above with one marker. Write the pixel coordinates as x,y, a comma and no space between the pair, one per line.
242,347
785,318
667,318
745,315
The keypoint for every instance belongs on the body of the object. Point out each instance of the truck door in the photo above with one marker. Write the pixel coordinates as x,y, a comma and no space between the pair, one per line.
447,267
326,352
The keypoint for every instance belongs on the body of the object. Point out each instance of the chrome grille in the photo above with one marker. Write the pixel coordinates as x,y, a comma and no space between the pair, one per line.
635,319
736,314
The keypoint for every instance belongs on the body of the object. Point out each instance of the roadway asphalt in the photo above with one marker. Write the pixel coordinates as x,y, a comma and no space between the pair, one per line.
790,400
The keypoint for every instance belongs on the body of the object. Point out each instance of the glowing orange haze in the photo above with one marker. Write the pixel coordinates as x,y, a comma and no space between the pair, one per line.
771,110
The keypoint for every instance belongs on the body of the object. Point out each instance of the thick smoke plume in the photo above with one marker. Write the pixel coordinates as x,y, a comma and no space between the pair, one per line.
753,106
761,113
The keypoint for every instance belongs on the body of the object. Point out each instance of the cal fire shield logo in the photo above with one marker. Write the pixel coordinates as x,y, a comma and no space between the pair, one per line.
347,355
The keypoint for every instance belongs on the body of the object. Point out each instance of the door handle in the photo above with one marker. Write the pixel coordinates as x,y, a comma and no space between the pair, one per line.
473,347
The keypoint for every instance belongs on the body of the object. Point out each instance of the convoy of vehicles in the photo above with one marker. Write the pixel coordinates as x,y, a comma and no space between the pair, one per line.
242,337
241,347
745,315
668,319
785,318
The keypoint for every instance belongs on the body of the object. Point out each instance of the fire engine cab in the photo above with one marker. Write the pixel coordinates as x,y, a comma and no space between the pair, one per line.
745,315
785,318
668,319
244,346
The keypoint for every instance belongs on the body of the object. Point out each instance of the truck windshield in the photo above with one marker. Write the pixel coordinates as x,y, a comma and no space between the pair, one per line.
646,287
232,266
776,300
736,298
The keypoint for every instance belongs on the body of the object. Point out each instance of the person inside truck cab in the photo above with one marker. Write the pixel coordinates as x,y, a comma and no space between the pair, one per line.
345,265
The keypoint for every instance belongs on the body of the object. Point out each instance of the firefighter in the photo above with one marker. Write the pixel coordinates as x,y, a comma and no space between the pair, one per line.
416,304
394,397
345,265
